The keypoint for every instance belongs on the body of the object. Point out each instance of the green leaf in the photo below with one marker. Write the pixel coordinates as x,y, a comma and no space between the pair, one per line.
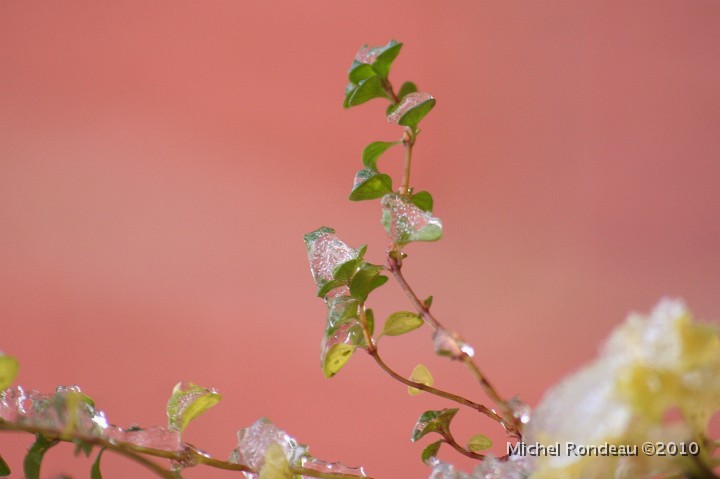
341,310
370,319
336,357
401,322
34,457
433,421
364,281
82,447
366,90
329,286
430,451
405,88
349,91
411,109
95,469
420,374
9,367
413,117
372,152
427,302
370,185
479,442
359,72
385,59
423,200
187,402
4,468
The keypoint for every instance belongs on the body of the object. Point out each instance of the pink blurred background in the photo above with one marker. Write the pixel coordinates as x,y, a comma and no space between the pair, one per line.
160,162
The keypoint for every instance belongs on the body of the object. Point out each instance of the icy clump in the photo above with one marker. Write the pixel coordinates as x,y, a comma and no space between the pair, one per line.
254,441
407,103
404,222
449,343
326,252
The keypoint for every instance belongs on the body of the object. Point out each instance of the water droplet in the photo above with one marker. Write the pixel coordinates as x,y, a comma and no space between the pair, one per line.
407,103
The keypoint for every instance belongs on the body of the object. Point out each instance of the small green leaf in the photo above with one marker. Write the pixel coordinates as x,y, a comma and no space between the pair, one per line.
187,402
372,152
420,374
359,72
433,421
366,90
423,200
401,322
370,320
345,271
34,457
9,367
479,442
4,468
427,302
411,109
413,117
336,357
364,281
349,90
370,185
385,59
95,469
329,286
430,451
82,447
405,88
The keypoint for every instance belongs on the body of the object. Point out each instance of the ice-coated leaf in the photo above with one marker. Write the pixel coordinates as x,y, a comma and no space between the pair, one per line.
276,464
411,109
253,443
372,152
369,185
381,58
364,282
420,374
449,343
406,88
430,451
401,322
404,222
341,310
33,459
187,402
366,90
359,72
95,469
433,421
349,90
325,253
8,370
329,286
336,357
423,200
479,442
4,468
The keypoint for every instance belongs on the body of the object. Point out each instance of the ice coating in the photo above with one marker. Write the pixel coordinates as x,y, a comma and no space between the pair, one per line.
519,409
332,467
253,442
326,252
69,412
349,333
368,54
341,308
404,222
448,343
184,394
362,175
407,103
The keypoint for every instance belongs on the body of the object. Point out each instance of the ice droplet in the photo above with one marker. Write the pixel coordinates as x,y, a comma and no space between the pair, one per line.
404,222
253,442
519,409
407,103
368,54
448,343
326,252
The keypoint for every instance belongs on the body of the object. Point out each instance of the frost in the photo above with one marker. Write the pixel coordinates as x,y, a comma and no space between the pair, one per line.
407,103
326,252
404,222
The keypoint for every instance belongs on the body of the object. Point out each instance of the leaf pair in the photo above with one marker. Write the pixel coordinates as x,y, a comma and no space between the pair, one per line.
368,74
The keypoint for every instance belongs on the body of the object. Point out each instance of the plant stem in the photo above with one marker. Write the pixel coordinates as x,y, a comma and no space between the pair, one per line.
451,440
408,142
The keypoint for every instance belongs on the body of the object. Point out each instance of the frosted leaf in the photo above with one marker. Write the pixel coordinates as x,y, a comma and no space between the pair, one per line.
407,103
362,175
332,468
341,309
519,409
188,401
448,343
154,437
326,252
254,441
368,54
404,222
